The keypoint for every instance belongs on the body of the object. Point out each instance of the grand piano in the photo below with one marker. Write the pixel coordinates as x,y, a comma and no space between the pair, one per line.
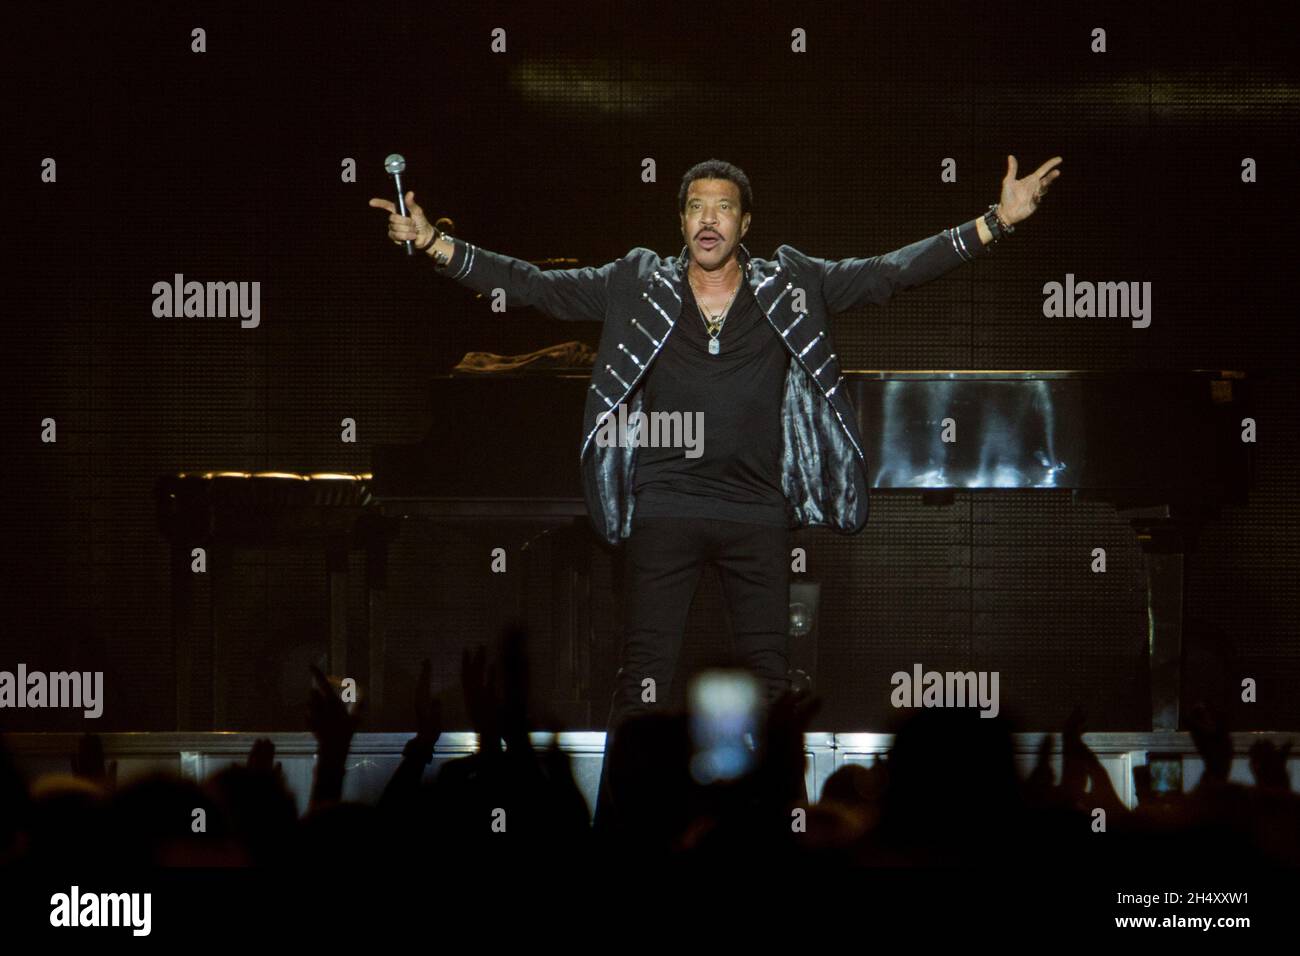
1163,447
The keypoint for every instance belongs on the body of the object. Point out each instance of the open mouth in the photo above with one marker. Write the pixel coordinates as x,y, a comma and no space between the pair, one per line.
708,241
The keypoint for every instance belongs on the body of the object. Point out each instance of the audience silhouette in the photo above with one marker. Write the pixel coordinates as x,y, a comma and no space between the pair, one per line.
948,794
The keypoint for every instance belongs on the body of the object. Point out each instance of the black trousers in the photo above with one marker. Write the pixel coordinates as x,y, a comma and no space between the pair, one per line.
663,562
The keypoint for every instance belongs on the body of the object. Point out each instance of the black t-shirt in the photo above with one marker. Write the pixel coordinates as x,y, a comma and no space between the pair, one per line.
739,391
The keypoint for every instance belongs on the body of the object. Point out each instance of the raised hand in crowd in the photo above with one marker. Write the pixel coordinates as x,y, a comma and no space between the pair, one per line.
332,722
88,762
1268,765
1209,731
478,683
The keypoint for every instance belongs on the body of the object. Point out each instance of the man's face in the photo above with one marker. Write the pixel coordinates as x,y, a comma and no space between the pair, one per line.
712,224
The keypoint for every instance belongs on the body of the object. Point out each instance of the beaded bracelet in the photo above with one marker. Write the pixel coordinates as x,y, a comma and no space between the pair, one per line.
440,259
996,226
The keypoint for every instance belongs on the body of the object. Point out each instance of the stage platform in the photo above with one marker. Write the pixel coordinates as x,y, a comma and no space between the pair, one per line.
374,757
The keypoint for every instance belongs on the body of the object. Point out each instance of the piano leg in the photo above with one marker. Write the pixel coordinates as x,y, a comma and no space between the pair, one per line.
570,584
376,615
220,561
1165,576
182,639
336,560
1166,539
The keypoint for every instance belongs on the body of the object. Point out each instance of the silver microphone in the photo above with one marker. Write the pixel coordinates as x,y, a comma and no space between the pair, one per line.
394,165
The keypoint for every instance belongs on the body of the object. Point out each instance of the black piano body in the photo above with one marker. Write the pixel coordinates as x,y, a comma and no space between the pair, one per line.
1164,447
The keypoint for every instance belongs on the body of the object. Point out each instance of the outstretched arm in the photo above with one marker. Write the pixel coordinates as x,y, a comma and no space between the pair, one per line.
576,294
849,283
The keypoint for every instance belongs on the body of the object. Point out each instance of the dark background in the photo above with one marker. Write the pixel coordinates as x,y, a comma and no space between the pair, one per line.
226,166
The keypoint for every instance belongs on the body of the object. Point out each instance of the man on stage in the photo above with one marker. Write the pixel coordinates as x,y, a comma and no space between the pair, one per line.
744,345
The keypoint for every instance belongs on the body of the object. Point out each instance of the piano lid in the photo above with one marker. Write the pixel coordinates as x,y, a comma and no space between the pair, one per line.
1140,436
1129,437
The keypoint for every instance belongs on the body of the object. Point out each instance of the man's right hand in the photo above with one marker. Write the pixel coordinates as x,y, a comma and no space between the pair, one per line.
413,227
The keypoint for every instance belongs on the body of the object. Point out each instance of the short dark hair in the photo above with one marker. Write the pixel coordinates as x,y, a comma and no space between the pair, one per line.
717,169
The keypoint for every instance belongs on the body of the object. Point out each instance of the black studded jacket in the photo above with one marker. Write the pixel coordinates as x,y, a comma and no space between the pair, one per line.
639,298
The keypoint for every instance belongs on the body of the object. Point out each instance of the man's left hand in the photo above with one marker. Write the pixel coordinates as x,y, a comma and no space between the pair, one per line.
1020,197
